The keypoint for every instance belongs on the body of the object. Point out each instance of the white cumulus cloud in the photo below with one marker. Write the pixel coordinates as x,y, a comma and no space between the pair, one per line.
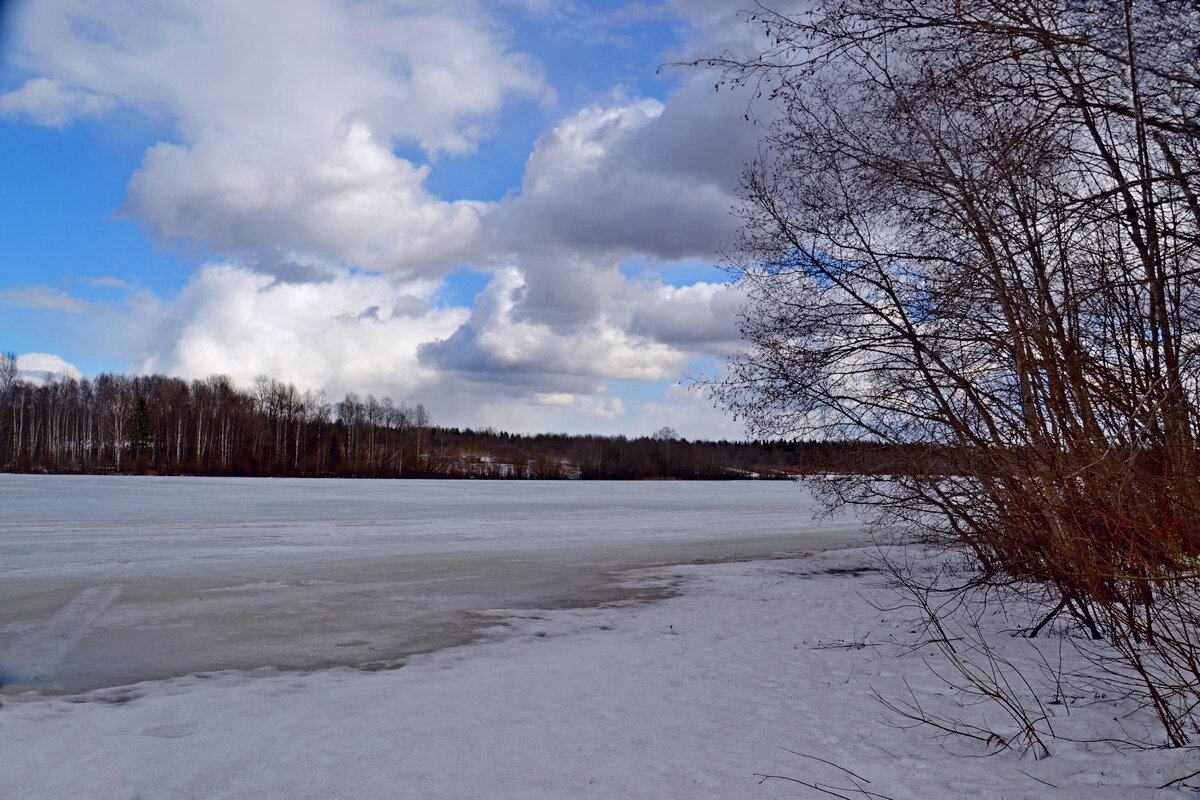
285,113
498,342
353,332
46,101
351,202
40,368
626,177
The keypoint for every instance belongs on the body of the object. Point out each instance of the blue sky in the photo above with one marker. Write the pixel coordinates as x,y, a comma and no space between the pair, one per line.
506,211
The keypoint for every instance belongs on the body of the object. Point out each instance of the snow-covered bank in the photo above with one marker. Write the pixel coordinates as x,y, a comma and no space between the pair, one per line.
695,696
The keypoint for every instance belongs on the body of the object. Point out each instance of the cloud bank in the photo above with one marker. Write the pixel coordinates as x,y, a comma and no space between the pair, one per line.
298,145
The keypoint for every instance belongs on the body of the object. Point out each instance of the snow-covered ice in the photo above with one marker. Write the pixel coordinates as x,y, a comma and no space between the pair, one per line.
110,580
542,657
697,695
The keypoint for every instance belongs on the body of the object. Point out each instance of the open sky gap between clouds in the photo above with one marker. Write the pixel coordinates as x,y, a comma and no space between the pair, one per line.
309,172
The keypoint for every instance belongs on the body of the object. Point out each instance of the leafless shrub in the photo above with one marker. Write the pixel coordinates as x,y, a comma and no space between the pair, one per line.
974,226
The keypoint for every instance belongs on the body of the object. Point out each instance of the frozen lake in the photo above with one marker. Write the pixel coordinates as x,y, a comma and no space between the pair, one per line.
110,580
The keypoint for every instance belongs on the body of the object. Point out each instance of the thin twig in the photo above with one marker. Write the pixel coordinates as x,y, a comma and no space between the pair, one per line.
797,780
824,761
1179,780
820,788
1039,780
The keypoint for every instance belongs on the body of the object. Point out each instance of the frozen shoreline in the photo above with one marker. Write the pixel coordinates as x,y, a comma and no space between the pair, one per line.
693,696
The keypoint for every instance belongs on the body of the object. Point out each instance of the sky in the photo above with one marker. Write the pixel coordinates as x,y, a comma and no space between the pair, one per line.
509,211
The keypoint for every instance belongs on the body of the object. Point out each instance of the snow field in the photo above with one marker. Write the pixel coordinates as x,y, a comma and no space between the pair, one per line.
693,696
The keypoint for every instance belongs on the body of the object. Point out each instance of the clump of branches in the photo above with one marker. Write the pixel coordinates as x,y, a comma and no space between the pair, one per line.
973,225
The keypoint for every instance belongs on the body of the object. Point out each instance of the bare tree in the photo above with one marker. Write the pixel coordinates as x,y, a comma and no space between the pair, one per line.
973,227
665,434
8,372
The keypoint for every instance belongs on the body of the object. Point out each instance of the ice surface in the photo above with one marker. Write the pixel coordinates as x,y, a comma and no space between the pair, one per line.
110,580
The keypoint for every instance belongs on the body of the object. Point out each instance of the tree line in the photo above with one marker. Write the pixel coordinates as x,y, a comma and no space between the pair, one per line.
155,424
166,425
662,455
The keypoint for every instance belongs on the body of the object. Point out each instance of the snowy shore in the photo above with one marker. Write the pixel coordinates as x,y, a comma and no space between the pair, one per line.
698,695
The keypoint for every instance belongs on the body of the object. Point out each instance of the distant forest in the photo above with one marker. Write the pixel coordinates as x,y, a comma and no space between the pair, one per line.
170,426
